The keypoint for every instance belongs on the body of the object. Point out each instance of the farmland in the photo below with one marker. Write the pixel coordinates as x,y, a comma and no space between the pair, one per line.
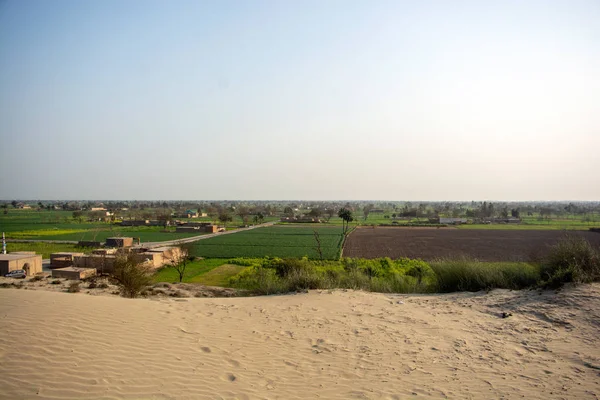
211,272
274,241
45,249
58,225
146,234
431,243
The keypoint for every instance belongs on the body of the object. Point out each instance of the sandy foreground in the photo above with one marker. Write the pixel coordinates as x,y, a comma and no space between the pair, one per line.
323,344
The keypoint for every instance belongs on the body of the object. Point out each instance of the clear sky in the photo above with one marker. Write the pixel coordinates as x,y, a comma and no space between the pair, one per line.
388,100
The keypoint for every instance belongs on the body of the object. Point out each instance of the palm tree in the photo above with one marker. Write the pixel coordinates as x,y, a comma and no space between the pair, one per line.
346,216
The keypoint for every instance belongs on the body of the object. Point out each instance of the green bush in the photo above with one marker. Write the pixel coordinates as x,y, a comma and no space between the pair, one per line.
274,275
131,276
573,259
467,274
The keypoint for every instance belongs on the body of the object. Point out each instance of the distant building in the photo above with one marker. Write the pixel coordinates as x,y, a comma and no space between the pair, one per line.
135,222
452,221
187,214
301,219
119,242
197,228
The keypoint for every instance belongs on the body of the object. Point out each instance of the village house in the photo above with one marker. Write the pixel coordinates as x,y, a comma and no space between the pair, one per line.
80,266
25,260
451,221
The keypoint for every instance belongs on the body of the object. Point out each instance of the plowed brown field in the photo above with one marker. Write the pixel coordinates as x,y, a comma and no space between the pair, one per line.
432,243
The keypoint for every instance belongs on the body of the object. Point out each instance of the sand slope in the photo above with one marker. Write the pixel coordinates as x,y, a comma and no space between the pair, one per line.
339,344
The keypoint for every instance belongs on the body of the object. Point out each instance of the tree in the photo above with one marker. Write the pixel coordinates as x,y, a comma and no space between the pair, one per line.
315,212
164,217
212,212
504,212
78,215
243,213
14,203
367,209
330,212
131,275
288,211
546,212
259,218
346,216
225,217
178,260
318,247
515,212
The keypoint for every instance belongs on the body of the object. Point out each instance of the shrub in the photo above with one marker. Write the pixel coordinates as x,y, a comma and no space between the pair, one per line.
572,259
131,276
420,272
92,285
74,287
244,262
257,279
286,267
102,285
467,274
37,278
55,282
303,279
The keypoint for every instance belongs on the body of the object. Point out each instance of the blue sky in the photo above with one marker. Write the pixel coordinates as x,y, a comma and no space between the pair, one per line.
420,100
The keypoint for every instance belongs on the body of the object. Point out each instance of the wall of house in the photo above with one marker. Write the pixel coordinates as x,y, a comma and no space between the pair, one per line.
95,261
73,273
34,264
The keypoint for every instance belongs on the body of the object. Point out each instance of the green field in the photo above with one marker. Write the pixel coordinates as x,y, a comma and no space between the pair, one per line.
45,249
59,225
210,272
273,241
534,223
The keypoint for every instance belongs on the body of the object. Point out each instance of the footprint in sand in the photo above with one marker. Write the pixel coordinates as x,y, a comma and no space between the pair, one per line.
233,362
206,349
230,377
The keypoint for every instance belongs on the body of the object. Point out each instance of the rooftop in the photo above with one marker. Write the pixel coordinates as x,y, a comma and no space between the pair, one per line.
11,257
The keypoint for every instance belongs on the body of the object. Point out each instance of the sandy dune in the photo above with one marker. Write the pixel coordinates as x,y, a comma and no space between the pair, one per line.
339,344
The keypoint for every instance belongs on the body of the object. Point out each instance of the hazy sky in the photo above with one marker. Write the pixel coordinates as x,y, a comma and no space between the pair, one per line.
398,100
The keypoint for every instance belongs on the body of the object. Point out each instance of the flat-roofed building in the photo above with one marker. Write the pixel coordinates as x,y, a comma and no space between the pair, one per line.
63,259
31,263
119,242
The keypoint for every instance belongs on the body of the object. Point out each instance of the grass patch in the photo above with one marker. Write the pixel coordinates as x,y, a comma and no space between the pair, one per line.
45,249
219,276
571,260
193,270
524,227
275,275
466,274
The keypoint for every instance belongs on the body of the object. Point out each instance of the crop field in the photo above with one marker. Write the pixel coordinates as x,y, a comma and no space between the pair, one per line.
273,241
58,225
430,243
45,249
146,234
